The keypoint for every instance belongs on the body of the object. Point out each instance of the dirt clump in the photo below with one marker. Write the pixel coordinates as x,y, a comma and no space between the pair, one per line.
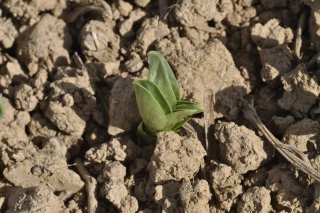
271,34
289,191
206,66
34,199
151,29
241,148
175,158
226,185
99,42
255,199
8,32
123,108
125,27
195,196
45,167
118,148
45,44
11,74
12,128
301,90
71,100
302,135
276,61
167,197
114,189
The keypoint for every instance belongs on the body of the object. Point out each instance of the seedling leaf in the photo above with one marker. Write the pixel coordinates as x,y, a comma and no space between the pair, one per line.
161,74
151,104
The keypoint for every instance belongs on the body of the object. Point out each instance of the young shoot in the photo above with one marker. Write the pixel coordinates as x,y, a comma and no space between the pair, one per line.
159,101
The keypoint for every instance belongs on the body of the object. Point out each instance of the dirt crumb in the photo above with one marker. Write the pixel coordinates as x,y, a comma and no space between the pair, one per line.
134,64
195,196
71,100
12,128
114,188
302,135
226,185
124,7
25,98
112,171
275,61
34,199
12,73
8,32
175,158
241,148
271,34
288,192
120,148
47,43
255,200
125,27
151,29
123,109
99,42
301,90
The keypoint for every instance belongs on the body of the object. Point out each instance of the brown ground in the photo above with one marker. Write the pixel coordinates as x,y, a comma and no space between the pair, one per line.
68,138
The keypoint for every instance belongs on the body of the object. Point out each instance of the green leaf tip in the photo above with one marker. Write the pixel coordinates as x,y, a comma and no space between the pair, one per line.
158,100
161,74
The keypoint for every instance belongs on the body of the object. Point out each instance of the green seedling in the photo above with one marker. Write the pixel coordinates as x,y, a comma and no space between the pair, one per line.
1,108
159,102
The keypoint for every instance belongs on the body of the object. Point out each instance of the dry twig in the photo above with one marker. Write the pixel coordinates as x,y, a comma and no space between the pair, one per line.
208,101
91,185
298,41
292,154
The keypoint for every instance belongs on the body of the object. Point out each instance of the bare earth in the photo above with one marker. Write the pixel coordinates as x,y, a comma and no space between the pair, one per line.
68,141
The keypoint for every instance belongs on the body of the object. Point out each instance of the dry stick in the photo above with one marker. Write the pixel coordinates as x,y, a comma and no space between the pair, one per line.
292,154
298,41
77,60
208,114
91,185
106,7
